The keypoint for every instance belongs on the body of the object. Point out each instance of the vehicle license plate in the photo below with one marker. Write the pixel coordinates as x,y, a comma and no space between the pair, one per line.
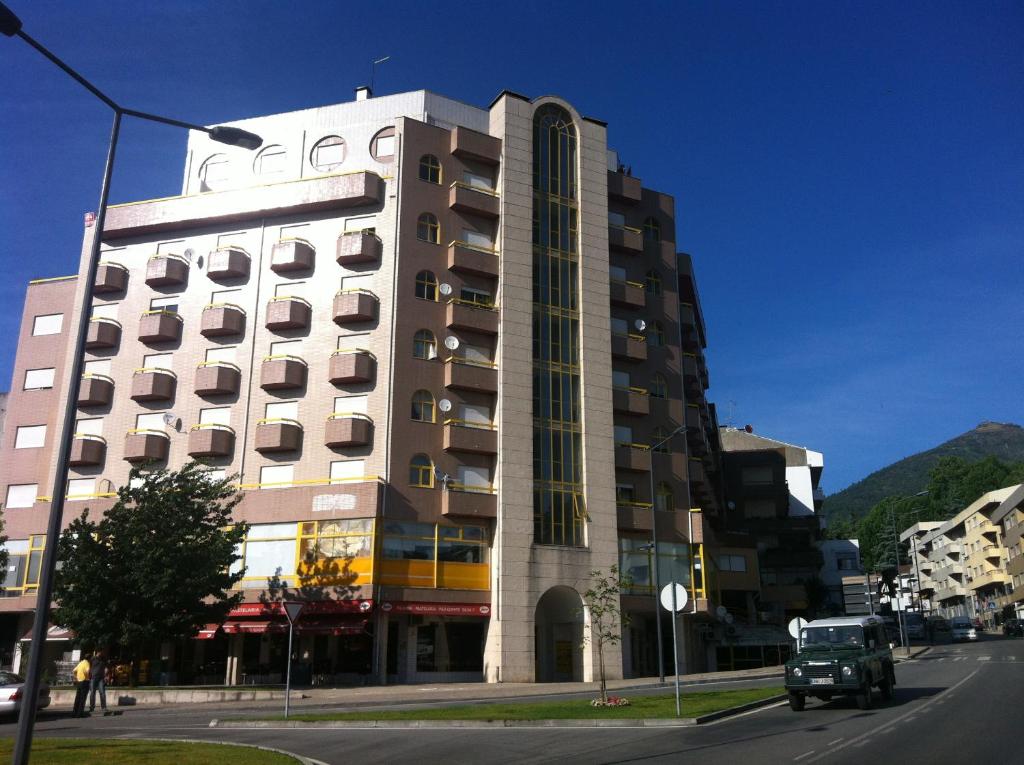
822,681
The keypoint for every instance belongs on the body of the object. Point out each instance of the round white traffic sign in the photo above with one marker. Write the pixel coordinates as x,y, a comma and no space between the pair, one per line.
795,625
666,597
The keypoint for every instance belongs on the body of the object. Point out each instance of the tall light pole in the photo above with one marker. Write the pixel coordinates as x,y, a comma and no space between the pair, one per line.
10,26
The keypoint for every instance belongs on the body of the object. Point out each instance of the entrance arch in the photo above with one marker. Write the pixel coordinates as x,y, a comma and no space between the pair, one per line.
558,636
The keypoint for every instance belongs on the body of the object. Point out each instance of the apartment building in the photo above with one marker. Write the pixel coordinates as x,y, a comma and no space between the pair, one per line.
921,541
1010,517
443,348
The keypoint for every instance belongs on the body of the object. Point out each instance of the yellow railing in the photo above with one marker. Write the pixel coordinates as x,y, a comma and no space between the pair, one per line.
481,189
350,416
275,420
148,432
227,364
179,258
343,351
224,305
286,357
154,311
313,482
232,248
357,291
114,263
476,247
471,362
632,389
90,437
155,370
453,486
468,424
53,279
281,298
623,227
104,319
97,376
633,445
634,505
472,304
212,426
298,239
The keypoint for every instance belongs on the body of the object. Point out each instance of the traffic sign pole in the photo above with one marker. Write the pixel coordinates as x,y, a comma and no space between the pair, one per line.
675,649
292,611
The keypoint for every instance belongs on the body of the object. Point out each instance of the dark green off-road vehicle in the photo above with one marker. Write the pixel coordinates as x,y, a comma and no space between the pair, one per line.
843,656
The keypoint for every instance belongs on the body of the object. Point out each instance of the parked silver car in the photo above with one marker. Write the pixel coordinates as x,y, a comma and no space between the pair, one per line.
12,690
962,629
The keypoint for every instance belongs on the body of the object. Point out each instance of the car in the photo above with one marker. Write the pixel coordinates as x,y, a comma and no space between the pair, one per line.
12,691
847,656
1013,628
939,627
960,628
915,626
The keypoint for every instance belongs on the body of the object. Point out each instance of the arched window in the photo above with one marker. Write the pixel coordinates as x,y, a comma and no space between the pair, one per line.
272,160
214,173
652,230
656,335
426,285
652,282
428,229
423,406
421,472
424,345
328,153
659,386
659,443
663,498
430,169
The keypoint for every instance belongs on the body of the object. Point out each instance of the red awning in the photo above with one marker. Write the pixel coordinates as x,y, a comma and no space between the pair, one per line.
331,625
208,632
253,627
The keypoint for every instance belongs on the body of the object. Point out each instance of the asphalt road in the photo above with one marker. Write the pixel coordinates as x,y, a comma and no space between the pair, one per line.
956,703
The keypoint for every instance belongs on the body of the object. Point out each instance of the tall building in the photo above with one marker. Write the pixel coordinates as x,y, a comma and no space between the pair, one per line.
436,344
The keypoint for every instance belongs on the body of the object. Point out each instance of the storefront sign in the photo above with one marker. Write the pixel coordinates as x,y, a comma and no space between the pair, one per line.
436,609
310,607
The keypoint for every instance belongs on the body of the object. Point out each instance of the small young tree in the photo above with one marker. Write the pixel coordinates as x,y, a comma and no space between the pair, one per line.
156,566
602,601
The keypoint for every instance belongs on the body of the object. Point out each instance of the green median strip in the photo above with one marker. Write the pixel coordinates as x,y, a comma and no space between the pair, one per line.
90,751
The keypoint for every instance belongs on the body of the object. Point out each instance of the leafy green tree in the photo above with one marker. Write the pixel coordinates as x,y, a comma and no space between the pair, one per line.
156,566
606,619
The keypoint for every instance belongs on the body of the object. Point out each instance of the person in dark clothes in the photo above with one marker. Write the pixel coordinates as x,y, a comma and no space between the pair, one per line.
98,682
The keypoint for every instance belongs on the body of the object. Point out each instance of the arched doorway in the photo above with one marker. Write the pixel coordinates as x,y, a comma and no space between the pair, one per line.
558,636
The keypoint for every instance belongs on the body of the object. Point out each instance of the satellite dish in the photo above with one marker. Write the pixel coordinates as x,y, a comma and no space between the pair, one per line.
445,289
729,619
199,262
640,325
451,342
721,612
106,486
444,405
171,421
442,476
189,253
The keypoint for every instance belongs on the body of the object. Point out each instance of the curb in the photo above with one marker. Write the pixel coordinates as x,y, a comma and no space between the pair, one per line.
297,757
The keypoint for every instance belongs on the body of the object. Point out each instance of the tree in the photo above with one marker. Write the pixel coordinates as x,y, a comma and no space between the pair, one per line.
156,566
606,619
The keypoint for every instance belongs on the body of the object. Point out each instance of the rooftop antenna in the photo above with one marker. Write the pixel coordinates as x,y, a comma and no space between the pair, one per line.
373,70
732,407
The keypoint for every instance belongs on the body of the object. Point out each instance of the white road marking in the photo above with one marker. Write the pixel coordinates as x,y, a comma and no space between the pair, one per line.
1011,658
984,658
941,658
833,743
805,754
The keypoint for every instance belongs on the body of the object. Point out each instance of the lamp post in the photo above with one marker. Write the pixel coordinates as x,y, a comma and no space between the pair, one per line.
11,26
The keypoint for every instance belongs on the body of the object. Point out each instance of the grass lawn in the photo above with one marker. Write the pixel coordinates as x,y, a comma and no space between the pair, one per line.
693,705
92,751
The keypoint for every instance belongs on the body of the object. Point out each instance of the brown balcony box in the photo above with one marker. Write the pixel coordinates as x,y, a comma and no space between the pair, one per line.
467,199
687,316
282,372
462,437
353,306
630,347
465,258
292,255
690,367
278,435
631,401
348,430
462,374
627,294
358,247
633,517
698,441
159,327
217,378
95,390
352,367
87,450
629,240
288,313
624,188
228,263
153,385
467,316
468,504
693,418
146,446
634,458
689,338
222,320
103,333
469,144
110,277
697,473
211,441
166,271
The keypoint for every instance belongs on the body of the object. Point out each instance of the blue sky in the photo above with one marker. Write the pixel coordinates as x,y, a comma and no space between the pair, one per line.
848,176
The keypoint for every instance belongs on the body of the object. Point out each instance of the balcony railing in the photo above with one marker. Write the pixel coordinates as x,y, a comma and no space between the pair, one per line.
278,434
160,326
222,320
468,374
460,500
153,384
211,440
110,277
631,400
143,445
288,312
282,371
355,306
633,457
228,263
474,200
625,238
631,346
103,333
358,247
95,390
166,270
471,437
627,294
469,258
348,429
471,144
87,449
292,254
472,316
217,378
352,366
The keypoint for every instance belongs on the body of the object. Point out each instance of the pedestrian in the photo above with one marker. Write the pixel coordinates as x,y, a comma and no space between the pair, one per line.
81,674
98,681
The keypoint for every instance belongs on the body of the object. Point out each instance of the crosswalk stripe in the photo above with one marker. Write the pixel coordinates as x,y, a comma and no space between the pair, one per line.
984,658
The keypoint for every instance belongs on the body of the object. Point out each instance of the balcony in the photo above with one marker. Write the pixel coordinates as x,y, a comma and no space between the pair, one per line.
624,188
110,277
689,339
228,263
627,294
292,255
153,385
222,320
160,326
356,247
353,366
630,347
698,475
141,446
95,390
687,315
625,239
693,418
470,437
698,441
87,450
348,429
947,593
217,378
634,401
288,312
469,144
355,306
472,317
469,501
633,516
282,372
278,435
103,333
470,259
209,440
166,271
633,457
466,374
473,200
989,578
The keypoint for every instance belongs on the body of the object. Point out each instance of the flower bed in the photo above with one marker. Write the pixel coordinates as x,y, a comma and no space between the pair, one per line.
613,701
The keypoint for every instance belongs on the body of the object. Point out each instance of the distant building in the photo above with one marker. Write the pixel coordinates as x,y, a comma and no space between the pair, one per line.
840,558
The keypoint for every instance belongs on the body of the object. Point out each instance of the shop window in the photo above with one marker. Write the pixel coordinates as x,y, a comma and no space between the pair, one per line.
450,646
430,169
426,285
421,472
428,229
424,345
422,406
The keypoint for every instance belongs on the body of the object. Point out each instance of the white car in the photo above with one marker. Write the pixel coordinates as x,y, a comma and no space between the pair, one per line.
12,690
962,629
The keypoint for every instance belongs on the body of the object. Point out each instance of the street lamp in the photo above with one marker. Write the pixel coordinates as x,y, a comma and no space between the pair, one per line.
10,26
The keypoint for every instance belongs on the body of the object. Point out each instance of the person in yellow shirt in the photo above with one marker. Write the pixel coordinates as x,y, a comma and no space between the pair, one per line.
81,674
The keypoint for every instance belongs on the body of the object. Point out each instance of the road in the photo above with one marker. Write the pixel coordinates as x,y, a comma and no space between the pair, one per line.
955,703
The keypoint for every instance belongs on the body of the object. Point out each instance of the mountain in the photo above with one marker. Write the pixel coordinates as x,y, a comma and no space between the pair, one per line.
910,475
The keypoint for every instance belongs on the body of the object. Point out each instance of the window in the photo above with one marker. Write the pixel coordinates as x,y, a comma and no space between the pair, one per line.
618,220
478,239
286,348
421,472
476,296
98,367
351,404
652,283
664,500
735,563
617,273
276,476
269,550
21,495
619,326
158,361
328,153
660,442
104,311
220,415
470,477
656,335
81,488
423,406
623,435
291,289
476,415
477,181
424,345
620,379
282,410
165,304
652,230
328,541
222,354
91,426
214,173
625,493
659,386
361,223
426,285
382,145
30,437
756,476
428,229
347,470
49,324
38,379
430,169
271,161
152,421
